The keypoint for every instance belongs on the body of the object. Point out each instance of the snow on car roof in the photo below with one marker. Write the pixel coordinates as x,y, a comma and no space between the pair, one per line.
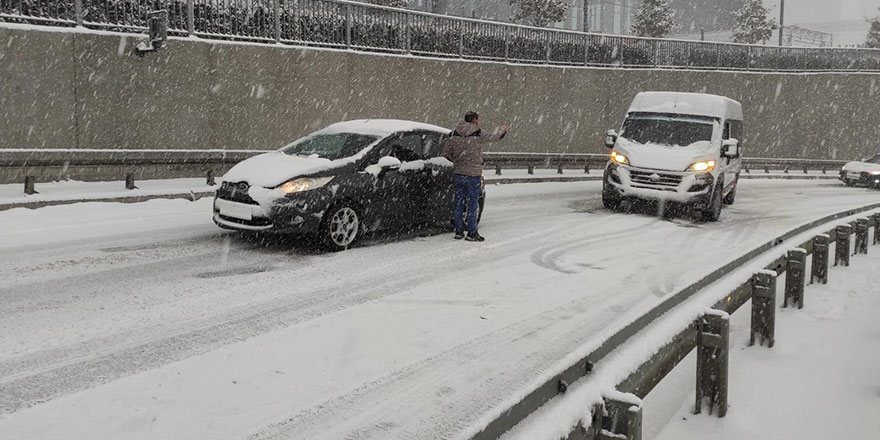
379,127
695,104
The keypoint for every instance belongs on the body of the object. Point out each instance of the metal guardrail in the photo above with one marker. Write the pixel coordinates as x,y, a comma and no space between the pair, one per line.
620,418
367,27
588,162
10,158
31,166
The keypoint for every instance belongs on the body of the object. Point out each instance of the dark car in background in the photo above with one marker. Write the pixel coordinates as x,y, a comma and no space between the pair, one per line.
863,173
343,181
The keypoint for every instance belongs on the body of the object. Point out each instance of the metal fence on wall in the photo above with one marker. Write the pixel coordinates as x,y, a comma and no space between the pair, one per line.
366,27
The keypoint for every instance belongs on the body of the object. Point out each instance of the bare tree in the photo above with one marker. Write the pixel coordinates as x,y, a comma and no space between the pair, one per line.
654,18
873,39
539,13
752,25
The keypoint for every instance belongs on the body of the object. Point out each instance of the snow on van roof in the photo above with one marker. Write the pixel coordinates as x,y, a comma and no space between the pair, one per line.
379,127
694,104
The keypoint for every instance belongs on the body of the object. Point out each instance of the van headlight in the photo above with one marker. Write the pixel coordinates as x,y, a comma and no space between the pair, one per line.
619,158
875,173
706,165
304,184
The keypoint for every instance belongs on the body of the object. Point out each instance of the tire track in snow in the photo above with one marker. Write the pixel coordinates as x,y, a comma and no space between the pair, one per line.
48,375
381,407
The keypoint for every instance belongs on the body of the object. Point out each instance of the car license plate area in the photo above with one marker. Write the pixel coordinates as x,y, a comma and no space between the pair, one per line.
854,176
235,210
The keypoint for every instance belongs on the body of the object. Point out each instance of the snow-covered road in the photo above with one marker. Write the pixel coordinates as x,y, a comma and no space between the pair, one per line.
145,321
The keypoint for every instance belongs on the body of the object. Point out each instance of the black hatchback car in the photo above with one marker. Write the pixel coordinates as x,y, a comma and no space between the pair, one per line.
343,181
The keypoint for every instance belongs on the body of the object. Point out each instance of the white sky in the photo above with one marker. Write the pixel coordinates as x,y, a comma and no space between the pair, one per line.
809,11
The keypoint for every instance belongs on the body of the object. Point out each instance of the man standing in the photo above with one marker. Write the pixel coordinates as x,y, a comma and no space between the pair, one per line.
465,150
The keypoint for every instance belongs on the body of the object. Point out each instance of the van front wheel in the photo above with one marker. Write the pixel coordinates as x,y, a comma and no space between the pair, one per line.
610,200
730,198
713,213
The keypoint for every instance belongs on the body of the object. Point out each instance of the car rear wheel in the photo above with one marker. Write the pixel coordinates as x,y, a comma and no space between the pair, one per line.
341,227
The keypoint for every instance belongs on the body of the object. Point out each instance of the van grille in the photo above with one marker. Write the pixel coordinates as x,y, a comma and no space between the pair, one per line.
655,180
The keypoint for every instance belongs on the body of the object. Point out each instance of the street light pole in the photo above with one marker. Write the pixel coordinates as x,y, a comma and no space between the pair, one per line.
586,15
781,19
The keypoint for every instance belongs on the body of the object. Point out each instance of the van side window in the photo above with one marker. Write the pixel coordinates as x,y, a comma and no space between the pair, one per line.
726,130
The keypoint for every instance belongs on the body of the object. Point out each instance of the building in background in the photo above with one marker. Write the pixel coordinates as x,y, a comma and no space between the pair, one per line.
611,16
500,10
806,37
602,16
496,10
709,16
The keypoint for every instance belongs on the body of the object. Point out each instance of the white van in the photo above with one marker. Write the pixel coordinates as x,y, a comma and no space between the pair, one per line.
676,147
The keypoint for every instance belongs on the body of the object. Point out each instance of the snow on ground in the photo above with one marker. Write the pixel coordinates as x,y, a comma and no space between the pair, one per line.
52,226
556,419
819,381
145,321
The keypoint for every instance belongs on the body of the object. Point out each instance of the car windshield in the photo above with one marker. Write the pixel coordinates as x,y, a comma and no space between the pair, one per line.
330,146
666,130
875,159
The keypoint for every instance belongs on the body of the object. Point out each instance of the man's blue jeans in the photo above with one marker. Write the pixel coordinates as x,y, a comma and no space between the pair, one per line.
467,193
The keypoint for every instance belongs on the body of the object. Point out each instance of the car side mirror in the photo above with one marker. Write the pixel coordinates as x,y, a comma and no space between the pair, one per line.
730,148
610,138
388,163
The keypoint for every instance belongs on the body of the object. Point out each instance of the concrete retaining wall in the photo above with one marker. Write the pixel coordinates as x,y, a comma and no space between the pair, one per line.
89,90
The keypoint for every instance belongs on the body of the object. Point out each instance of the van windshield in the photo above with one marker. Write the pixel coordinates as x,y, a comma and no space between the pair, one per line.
330,146
666,130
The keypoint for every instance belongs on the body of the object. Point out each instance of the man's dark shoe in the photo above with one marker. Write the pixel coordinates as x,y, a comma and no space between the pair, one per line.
475,237
459,235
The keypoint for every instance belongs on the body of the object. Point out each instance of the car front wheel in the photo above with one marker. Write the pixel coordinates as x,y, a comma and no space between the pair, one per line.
341,227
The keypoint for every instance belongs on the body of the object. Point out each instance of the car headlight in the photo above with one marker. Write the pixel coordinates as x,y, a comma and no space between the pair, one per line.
304,184
875,173
619,158
706,165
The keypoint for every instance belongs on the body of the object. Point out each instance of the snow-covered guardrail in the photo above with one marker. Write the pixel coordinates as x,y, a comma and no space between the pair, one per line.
560,161
31,166
619,416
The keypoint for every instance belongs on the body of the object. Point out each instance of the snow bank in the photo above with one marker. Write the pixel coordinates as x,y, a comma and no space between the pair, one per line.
818,382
